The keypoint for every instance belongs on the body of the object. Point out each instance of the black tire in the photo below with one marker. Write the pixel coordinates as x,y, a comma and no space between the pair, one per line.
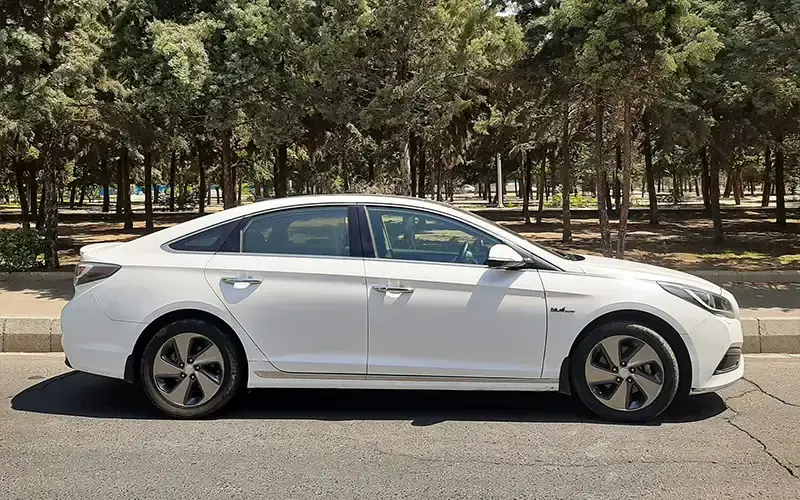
231,381
669,362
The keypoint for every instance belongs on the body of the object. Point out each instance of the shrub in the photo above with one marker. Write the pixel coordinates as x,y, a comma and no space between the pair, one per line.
20,250
575,201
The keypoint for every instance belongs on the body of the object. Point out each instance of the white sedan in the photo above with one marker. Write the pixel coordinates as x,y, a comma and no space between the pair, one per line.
381,292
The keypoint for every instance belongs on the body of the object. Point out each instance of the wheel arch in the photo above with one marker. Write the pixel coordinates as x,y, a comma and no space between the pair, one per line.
131,372
661,326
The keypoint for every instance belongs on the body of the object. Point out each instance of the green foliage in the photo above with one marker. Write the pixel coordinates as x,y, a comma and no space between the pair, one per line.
21,250
339,87
575,201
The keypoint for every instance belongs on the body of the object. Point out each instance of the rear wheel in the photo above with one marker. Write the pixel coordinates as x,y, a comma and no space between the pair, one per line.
190,369
625,371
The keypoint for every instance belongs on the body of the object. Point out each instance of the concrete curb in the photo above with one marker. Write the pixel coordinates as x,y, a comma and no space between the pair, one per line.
761,335
30,335
776,276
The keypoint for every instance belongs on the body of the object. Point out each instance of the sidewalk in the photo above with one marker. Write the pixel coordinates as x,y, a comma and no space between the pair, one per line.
31,303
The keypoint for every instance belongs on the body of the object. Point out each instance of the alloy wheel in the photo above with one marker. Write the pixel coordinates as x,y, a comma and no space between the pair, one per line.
188,369
624,373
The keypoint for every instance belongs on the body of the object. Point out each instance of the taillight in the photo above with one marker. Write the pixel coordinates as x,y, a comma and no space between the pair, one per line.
86,272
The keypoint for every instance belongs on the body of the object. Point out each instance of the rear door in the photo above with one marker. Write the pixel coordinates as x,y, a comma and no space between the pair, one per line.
295,283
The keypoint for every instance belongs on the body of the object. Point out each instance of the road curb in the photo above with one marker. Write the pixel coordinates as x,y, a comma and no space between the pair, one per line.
761,335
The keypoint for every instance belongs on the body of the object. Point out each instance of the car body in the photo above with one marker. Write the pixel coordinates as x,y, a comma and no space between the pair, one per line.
364,291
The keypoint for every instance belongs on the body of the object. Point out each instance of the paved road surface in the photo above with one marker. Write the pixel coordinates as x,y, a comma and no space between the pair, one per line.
70,435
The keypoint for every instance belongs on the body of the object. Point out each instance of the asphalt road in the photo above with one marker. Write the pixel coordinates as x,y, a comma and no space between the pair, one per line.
70,435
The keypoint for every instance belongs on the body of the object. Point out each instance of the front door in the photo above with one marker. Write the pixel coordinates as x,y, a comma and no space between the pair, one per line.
297,288
436,309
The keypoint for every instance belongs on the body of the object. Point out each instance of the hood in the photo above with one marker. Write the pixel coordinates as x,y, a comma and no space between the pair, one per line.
625,269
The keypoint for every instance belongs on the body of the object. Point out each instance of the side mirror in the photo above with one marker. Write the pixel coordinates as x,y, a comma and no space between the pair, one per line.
504,257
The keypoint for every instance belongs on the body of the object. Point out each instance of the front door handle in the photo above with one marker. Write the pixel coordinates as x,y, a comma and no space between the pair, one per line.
392,289
241,283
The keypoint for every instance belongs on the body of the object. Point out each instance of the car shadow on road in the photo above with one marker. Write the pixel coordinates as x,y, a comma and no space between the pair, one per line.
83,395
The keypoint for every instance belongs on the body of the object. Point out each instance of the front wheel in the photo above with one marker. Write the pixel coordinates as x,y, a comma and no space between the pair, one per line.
624,371
190,369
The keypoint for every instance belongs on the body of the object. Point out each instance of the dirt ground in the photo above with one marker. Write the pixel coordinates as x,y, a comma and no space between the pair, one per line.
687,245
751,244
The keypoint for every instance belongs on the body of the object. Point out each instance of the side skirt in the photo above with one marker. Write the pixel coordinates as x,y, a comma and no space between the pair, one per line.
273,379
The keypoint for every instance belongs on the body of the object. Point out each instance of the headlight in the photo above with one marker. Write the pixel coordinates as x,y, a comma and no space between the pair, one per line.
714,303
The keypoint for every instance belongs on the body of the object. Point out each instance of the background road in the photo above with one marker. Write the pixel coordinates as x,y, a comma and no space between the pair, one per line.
65,434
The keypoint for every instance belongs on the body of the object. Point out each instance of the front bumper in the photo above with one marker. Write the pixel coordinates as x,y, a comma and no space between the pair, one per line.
717,382
708,345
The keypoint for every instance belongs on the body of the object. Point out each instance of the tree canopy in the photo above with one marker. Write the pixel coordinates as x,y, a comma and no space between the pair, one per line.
403,96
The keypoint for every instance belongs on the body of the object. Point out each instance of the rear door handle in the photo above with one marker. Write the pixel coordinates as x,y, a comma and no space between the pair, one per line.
241,283
393,289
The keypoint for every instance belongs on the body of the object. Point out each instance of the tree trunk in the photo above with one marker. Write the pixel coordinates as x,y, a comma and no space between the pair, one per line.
216,188
500,183
34,190
566,235
45,193
50,212
202,189
120,183
617,184
713,186
607,194
19,173
228,174
780,182
438,181
626,178
82,196
706,179
696,187
676,188
371,171
767,177
412,161
239,193
600,175
106,183
648,167
450,188
125,191
405,167
728,185
173,162
148,191
423,158
73,193
737,188
279,174
526,190
541,188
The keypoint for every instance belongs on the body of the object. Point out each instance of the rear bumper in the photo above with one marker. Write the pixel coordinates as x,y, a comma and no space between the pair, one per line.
93,343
